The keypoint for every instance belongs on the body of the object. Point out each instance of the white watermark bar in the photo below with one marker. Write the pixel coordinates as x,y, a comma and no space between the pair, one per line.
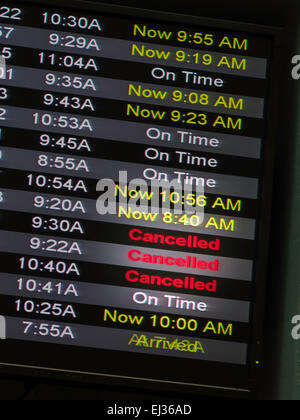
2,328
2,68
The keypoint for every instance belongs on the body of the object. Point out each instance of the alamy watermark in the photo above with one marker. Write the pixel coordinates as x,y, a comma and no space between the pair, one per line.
156,196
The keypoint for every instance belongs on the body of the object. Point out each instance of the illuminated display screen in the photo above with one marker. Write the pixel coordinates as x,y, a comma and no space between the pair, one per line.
134,152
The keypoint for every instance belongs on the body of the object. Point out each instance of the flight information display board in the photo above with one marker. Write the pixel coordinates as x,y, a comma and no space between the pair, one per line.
103,112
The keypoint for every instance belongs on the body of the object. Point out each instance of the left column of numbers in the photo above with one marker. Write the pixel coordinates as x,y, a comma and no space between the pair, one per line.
43,91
